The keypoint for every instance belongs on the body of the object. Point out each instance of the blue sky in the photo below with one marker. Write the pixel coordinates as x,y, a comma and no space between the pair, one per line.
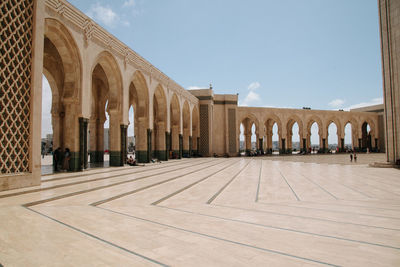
323,54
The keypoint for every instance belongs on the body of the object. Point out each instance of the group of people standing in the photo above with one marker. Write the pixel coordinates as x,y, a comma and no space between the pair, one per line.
353,156
61,159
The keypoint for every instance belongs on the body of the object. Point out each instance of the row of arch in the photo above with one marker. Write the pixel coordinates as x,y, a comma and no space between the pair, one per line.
363,133
84,98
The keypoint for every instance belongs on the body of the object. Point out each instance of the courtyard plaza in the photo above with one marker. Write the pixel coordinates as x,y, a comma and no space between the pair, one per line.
263,211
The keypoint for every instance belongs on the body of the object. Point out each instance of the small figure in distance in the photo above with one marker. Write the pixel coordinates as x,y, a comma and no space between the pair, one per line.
131,161
67,157
351,157
355,157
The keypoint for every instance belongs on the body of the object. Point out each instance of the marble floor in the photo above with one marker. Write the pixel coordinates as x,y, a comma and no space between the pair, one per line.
269,211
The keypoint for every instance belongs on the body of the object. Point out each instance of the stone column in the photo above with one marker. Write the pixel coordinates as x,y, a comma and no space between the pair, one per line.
160,149
190,147
115,138
167,144
180,146
283,146
342,145
83,155
175,141
71,134
124,145
185,142
141,140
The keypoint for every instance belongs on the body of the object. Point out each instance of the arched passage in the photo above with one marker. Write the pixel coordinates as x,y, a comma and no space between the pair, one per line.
187,139
175,122
106,97
333,137
294,123
139,100
273,129
314,134
348,137
366,137
159,124
248,123
62,69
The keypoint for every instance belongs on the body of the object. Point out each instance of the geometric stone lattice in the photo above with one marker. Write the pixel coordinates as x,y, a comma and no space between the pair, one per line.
204,138
16,30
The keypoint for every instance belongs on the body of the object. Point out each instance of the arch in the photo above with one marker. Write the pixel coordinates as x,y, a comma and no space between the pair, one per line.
139,99
330,139
310,121
58,37
63,69
139,95
289,131
175,123
248,120
112,73
158,138
269,122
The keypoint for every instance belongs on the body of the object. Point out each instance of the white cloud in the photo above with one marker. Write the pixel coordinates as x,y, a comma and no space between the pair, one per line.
374,101
336,103
253,86
103,14
196,87
129,3
251,98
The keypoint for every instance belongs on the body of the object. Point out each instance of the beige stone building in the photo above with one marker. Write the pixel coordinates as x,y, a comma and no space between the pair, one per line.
92,73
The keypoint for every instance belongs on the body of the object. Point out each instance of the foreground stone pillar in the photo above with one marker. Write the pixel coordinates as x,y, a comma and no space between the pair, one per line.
83,153
115,138
141,141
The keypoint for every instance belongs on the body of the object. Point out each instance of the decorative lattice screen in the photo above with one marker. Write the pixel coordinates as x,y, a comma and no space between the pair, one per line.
204,136
16,31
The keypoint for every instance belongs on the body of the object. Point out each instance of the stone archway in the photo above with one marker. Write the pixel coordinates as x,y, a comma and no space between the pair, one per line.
62,68
106,97
158,136
248,121
175,122
269,123
310,122
289,133
139,99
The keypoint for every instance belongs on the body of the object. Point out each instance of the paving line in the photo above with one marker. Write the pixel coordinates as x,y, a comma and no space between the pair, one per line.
115,169
326,191
98,238
298,199
88,181
328,210
226,185
95,188
220,238
191,185
308,218
283,229
359,206
148,186
259,181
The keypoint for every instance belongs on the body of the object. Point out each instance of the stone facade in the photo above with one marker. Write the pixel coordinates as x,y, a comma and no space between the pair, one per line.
91,73
389,11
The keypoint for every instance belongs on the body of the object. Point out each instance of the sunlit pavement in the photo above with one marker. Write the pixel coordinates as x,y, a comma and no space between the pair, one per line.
261,211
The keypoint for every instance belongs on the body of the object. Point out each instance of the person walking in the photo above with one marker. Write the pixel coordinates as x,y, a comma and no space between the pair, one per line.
351,157
355,157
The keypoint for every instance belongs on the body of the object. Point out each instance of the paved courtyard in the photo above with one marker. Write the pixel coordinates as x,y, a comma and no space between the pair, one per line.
269,211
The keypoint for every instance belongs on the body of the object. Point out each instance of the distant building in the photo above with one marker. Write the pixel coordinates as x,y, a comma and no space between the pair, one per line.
378,109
